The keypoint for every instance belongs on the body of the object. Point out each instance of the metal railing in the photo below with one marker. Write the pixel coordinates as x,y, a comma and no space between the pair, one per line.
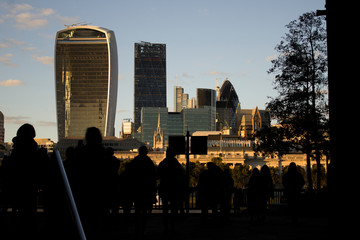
239,198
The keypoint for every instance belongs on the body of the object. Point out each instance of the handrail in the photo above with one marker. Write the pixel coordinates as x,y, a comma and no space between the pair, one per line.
70,196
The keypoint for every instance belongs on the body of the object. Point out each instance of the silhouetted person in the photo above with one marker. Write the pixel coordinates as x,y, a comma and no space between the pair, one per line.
256,195
269,188
20,181
228,191
56,205
293,183
90,181
211,190
113,187
171,188
142,173
70,155
125,192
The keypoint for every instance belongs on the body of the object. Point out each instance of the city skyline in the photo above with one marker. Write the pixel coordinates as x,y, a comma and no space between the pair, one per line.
205,40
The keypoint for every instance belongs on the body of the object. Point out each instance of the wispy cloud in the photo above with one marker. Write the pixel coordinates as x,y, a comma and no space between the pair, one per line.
46,60
220,74
26,17
10,42
187,75
270,58
19,120
11,83
6,60
65,20
45,124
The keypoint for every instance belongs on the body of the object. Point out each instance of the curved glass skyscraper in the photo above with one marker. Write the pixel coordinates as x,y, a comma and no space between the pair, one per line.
86,76
227,108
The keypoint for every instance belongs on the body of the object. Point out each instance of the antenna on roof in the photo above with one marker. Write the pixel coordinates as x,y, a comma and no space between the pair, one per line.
83,23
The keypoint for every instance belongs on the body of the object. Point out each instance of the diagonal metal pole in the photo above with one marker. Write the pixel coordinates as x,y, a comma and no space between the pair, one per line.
70,196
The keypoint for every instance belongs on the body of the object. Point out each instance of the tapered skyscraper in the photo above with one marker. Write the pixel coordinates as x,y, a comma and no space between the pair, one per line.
86,76
149,78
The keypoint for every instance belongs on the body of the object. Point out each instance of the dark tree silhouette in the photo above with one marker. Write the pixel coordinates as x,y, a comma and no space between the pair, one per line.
301,79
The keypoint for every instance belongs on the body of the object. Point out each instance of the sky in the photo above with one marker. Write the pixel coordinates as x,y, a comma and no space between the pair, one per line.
205,40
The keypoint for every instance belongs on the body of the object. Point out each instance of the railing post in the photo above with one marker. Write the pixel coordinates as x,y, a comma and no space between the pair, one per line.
187,154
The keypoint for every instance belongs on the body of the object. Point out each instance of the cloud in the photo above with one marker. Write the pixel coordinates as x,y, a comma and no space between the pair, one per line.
10,42
19,120
187,75
29,21
270,58
25,16
6,59
216,73
46,60
11,83
46,124
65,20
14,8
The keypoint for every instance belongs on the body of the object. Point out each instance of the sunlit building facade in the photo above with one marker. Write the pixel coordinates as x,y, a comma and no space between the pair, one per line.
86,78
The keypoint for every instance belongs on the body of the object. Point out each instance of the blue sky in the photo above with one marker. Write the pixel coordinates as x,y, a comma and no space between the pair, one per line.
206,39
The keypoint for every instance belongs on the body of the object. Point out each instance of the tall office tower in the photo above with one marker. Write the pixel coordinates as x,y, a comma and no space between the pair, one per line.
2,129
227,108
86,78
178,98
207,98
181,100
149,78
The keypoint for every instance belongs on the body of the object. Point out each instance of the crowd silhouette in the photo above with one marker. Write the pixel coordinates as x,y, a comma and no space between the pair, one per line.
99,189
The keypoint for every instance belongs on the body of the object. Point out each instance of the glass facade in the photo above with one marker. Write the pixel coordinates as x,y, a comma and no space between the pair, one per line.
84,78
149,78
207,98
175,123
150,118
227,108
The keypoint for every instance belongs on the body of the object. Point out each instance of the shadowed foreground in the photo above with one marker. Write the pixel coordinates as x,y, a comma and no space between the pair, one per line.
276,226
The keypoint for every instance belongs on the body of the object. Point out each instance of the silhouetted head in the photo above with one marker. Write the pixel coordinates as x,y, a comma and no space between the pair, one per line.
265,170
211,165
93,136
143,150
170,153
26,131
292,167
255,172
70,152
109,151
